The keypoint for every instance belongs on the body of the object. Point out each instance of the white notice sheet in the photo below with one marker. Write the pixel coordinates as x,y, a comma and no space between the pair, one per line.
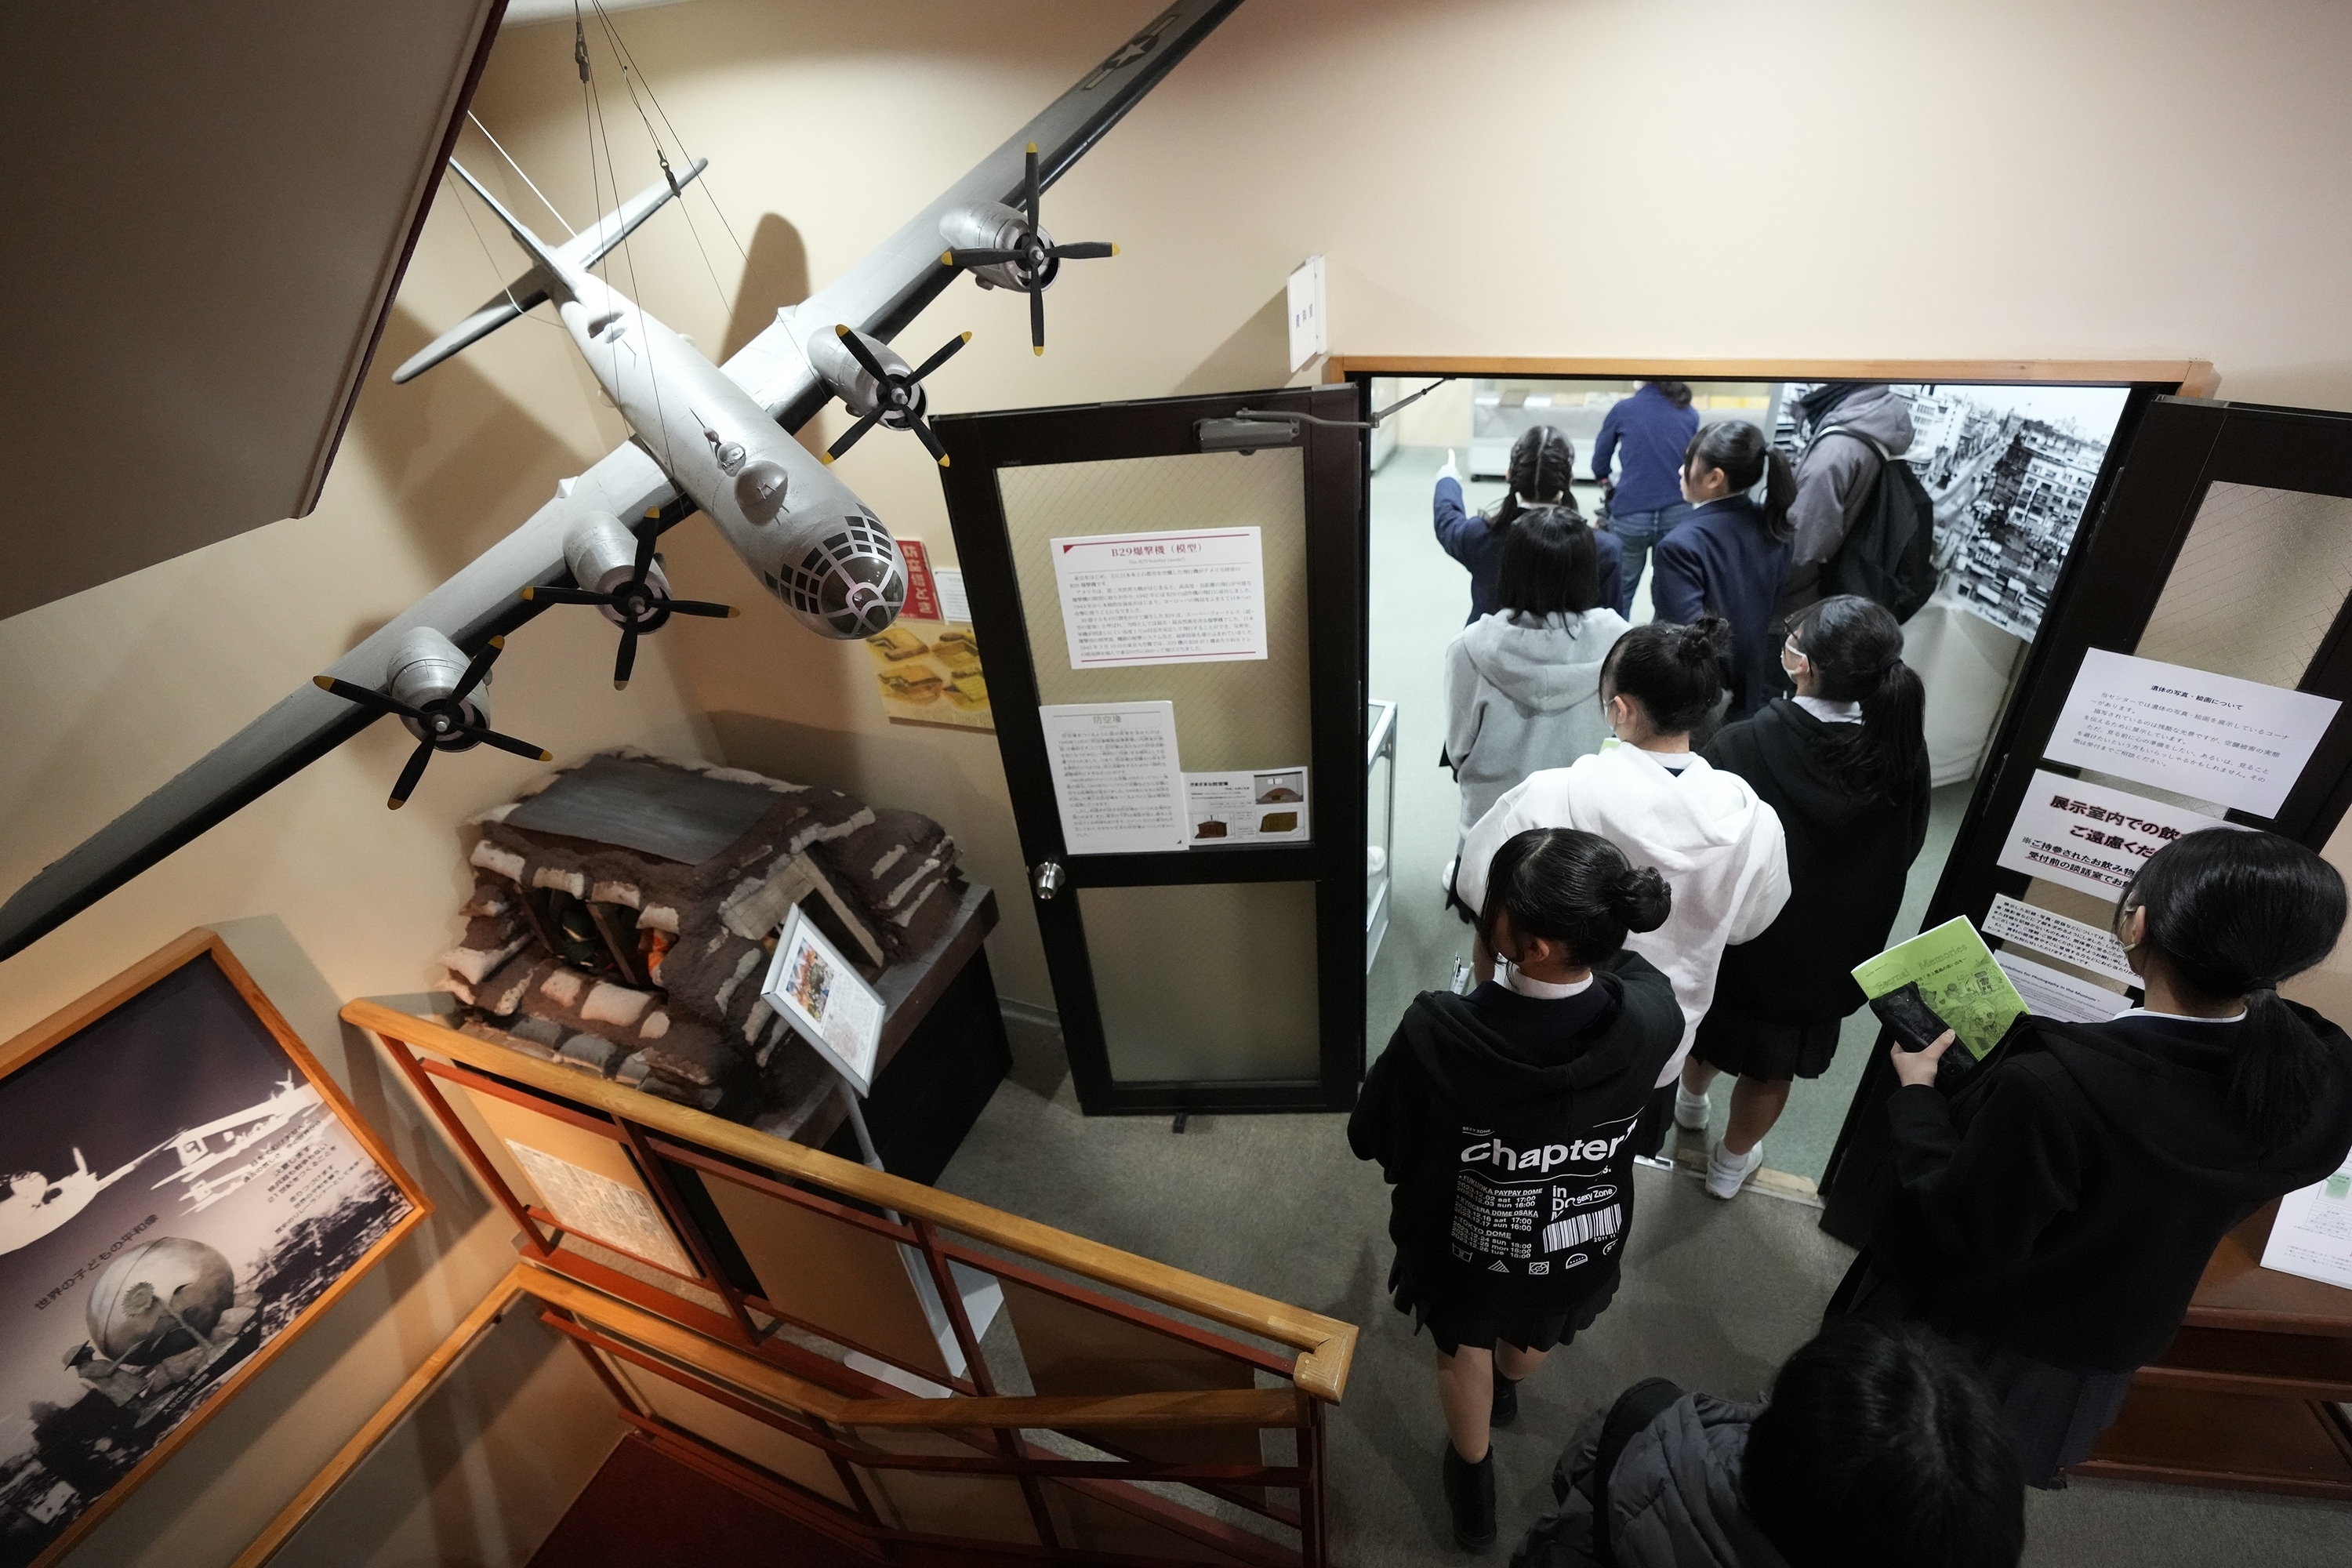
2313,1235
1115,776
1196,596
2090,836
2237,743
955,605
2048,931
826,1001
1263,805
2053,993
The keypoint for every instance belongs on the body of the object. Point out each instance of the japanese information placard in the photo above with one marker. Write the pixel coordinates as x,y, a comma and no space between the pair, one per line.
2049,993
2236,743
2313,1234
2090,836
1266,806
2058,936
1116,777
1196,597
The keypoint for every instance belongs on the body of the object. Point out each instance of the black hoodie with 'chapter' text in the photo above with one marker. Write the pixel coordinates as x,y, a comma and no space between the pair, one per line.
1511,1152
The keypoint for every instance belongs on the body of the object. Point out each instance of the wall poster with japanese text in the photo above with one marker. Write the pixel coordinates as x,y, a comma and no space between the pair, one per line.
182,1190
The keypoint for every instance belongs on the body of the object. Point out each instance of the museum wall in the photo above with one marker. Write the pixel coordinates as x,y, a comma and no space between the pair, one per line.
1667,177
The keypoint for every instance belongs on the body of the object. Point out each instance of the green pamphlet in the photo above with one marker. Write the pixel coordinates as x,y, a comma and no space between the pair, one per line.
1956,975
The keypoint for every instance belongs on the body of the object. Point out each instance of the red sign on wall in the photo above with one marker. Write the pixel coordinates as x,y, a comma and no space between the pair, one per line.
923,594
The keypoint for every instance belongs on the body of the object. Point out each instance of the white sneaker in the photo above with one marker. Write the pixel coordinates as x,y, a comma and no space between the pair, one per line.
1690,1109
1446,882
1727,1173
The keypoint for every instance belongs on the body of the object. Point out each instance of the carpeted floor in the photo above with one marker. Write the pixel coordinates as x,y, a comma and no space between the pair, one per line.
1714,1296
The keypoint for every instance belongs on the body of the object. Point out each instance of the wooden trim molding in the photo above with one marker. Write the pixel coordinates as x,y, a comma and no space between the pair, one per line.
1326,1345
2190,378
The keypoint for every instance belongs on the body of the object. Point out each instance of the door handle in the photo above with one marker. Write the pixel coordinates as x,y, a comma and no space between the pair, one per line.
1048,878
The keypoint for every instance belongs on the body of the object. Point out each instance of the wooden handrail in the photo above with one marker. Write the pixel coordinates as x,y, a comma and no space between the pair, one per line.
2195,377
1198,1407
1327,1346
404,1399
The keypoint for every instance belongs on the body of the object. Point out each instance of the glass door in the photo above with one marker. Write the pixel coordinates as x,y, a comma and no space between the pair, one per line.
1171,624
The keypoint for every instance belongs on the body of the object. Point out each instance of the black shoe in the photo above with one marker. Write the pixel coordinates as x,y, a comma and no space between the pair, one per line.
1470,1494
1506,1401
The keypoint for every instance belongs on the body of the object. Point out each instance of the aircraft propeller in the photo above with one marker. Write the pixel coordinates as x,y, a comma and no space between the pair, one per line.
640,603
899,396
444,715
1033,261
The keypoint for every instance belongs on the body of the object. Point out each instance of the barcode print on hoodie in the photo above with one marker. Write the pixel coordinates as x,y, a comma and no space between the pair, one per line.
1577,1229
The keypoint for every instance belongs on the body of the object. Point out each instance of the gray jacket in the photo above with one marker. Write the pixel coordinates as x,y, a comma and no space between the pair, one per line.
1521,697
1673,1499
1834,479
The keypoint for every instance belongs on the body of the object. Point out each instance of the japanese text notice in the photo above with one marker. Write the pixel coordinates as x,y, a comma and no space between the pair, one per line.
1195,598
1116,777
2090,836
2237,743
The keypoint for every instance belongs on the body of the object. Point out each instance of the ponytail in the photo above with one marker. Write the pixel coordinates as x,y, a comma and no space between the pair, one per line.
1571,887
1677,392
1739,449
1857,647
1675,673
2232,912
1542,464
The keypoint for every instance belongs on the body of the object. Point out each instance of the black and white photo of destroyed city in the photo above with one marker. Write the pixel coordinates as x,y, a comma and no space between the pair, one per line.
173,1192
2009,469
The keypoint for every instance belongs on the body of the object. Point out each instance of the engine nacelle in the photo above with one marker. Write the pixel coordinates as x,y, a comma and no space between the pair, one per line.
991,226
426,667
601,554
848,379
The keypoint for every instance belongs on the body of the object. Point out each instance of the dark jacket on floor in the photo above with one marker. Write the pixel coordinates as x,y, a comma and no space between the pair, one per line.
1722,562
1512,1155
1467,536
2066,1198
1850,855
1673,1496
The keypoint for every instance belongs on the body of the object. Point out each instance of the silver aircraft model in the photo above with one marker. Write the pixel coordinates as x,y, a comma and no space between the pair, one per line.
710,438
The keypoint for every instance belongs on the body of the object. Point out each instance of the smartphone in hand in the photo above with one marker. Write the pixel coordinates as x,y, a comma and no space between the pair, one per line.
1908,1017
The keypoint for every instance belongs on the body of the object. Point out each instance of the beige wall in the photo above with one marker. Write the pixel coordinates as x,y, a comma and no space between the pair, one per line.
1676,178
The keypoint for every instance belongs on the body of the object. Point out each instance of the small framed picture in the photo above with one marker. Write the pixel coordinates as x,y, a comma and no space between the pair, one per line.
828,1002
183,1190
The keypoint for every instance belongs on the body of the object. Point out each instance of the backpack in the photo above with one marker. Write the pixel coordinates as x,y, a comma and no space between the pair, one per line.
1578,1538
1888,555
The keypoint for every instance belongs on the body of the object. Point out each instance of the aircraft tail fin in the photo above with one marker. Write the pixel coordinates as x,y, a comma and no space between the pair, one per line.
578,253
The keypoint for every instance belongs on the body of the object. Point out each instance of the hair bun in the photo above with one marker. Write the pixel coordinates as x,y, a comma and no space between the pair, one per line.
1705,640
1641,898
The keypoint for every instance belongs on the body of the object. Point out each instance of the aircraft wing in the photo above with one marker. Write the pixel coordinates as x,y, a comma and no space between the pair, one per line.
879,295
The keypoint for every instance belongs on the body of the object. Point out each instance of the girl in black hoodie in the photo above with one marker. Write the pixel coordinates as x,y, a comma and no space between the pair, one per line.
1504,1120
2055,1211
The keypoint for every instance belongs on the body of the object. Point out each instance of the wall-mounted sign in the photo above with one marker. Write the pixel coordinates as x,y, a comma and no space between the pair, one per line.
2090,836
1191,596
2049,933
1309,335
1264,805
1116,778
923,594
2237,743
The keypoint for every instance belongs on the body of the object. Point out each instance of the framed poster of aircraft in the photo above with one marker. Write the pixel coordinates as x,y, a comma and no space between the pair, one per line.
710,438
183,1190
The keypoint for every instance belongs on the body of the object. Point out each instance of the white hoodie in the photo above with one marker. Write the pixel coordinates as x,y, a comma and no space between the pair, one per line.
1719,848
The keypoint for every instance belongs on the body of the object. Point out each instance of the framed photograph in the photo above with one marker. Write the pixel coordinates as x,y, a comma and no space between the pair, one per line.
182,1191
827,1001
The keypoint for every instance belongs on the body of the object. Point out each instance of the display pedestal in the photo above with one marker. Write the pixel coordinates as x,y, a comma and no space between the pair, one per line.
2247,1395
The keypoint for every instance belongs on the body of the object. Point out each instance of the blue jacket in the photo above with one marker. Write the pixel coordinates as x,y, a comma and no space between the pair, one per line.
1465,537
1721,561
1653,434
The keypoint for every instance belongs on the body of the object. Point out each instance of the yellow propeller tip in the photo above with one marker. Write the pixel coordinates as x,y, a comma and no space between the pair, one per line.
947,259
547,756
527,592
617,686
1114,247
841,330
943,462
1033,146
652,513
966,337
323,682
1037,348
393,803
498,641
826,459
732,611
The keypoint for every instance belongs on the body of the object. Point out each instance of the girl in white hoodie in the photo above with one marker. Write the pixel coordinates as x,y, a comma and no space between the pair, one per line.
1719,846
1523,685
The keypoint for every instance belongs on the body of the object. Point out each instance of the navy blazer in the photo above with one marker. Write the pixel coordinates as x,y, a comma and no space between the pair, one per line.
1465,537
1722,562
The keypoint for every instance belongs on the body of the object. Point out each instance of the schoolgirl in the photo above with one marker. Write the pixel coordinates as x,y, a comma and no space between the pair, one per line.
1541,467
1728,556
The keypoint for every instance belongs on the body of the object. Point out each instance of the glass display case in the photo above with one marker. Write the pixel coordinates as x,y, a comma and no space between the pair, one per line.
1379,820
